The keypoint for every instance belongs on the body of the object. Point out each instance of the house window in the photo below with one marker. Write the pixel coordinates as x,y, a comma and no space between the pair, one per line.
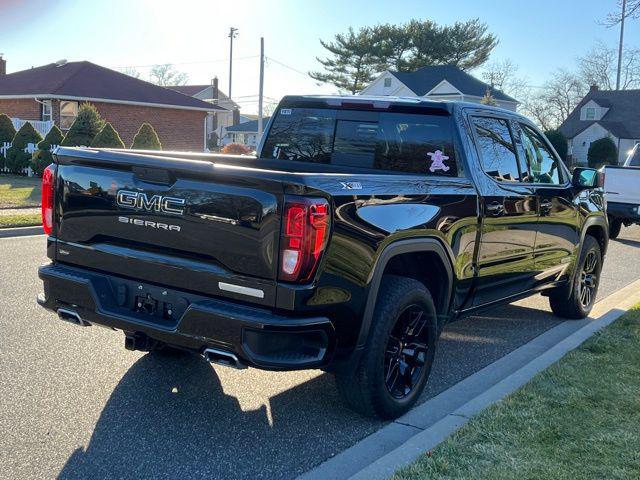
47,112
590,113
387,82
68,114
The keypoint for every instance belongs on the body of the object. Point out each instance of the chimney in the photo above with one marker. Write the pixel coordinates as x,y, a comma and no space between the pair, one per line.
3,65
593,88
214,84
236,116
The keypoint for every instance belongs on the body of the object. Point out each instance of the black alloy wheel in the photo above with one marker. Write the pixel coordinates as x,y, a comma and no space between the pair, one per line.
406,353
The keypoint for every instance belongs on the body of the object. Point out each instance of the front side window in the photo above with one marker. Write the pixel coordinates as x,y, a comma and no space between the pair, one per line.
400,142
542,164
497,150
68,114
47,112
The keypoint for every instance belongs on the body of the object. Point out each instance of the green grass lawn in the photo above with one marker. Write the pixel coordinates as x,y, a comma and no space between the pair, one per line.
18,191
580,419
20,220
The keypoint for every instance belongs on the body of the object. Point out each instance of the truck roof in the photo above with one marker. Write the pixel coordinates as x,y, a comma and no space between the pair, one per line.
381,101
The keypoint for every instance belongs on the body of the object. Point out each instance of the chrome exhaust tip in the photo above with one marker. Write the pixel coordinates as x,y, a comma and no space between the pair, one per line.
221,357
71,316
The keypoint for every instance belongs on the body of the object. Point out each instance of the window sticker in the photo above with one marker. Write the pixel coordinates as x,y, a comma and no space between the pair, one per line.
285,111
437,161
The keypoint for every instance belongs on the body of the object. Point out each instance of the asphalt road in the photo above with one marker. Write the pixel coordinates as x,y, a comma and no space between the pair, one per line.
75,404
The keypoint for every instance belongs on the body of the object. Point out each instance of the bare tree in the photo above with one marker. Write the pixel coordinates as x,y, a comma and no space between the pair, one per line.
552,104
131,71
598,67
632,10
503,76
166,75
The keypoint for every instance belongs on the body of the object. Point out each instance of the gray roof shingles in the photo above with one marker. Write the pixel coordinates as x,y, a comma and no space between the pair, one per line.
91,81
622,119
247,127
425,79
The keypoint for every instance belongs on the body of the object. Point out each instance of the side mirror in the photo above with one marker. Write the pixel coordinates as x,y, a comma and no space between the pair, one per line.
586,178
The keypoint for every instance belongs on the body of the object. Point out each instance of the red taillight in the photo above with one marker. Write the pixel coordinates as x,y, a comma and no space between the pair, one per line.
47,198
304,237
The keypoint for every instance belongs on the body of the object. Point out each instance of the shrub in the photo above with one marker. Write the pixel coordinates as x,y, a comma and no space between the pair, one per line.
42,157
107,138
559,142
17,158
85,127
7,132
236,149
602,152
146,139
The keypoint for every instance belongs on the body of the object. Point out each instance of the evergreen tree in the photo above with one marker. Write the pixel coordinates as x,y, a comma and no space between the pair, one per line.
559,142
354,61
85,127
602,152
17,158
43,157
488,99
107,138
355,58
7,132
146,139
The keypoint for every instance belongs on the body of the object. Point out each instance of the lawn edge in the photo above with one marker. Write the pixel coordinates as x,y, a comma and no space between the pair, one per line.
610,309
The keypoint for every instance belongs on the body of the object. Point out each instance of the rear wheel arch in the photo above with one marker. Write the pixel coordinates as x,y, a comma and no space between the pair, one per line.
426,260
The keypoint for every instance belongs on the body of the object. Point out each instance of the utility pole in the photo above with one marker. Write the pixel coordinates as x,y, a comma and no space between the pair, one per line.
233,33
624,8
261,88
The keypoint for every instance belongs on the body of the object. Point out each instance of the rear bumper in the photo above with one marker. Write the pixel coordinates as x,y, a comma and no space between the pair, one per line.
258,337
625,211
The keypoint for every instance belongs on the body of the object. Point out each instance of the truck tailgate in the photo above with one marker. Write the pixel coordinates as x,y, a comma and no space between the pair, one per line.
621,184
185,224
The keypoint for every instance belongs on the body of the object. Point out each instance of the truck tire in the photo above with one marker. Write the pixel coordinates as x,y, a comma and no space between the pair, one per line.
395,364
586,279
615,225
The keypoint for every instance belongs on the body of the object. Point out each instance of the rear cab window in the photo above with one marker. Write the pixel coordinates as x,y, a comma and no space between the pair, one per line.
370,140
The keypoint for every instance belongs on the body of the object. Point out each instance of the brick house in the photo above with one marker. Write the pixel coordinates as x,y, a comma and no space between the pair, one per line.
54,92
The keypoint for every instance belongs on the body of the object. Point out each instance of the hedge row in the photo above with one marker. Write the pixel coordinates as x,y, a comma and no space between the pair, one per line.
88,129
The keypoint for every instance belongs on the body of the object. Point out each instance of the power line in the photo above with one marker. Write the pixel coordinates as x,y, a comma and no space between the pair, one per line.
190,63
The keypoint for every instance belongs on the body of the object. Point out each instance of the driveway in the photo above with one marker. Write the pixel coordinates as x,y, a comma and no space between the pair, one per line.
75,404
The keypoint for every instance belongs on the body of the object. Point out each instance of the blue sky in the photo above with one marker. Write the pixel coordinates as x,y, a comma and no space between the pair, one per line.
538,36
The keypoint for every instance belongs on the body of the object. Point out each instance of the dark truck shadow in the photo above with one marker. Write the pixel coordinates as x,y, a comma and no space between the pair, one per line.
146,431
627,241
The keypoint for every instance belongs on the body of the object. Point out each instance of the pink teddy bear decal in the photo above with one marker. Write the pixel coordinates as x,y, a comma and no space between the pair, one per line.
437,161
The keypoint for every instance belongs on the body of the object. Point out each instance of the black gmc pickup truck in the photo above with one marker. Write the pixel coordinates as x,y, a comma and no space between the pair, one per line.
361,227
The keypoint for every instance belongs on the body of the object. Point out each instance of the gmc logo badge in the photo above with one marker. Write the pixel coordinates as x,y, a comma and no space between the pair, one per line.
155,203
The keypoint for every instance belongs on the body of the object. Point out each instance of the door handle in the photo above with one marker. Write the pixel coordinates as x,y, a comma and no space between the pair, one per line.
545,206
495,208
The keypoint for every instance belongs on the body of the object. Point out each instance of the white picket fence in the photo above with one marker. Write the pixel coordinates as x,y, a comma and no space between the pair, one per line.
30,148
42,127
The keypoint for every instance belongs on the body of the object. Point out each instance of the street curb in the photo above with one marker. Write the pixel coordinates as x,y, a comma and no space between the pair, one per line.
21,231
433,424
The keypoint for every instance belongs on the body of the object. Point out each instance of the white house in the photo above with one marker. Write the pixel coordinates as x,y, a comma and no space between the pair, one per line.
245,133
220,119
439,82
603,113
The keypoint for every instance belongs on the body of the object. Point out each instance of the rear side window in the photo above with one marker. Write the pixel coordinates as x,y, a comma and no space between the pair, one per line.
399,142
542,165
497,150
